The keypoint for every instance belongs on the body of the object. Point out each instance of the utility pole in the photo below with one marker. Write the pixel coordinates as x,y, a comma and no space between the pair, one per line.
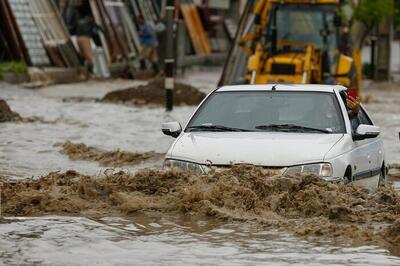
169,64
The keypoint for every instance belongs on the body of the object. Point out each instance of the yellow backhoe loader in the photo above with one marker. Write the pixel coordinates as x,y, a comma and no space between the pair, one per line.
292,41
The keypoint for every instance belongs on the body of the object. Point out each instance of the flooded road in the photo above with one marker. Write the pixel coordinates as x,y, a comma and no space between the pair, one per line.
71,113
27,149
165,241
384,109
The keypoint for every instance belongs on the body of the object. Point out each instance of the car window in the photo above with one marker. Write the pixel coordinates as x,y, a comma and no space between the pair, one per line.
355,122
360,118
354,119
250,109
363,117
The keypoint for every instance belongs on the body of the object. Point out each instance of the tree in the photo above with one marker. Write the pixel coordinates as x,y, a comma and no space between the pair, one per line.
368,14
397,14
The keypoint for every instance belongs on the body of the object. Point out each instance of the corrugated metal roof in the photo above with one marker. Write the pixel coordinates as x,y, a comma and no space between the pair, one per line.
29,31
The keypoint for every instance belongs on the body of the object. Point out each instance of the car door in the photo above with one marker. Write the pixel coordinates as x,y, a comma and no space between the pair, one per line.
367,155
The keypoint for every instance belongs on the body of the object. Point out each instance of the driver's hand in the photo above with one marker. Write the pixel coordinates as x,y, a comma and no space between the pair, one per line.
353,104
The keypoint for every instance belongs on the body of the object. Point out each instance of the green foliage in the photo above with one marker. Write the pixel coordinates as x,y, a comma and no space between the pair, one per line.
397,14
14,67
342,15
372,12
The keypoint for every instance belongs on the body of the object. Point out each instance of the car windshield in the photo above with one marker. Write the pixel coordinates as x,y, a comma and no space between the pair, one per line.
304,112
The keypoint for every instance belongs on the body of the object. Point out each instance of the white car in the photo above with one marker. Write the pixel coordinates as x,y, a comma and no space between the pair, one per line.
295,128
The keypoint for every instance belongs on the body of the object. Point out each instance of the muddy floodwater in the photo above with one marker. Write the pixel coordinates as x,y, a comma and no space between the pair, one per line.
167,241
72,113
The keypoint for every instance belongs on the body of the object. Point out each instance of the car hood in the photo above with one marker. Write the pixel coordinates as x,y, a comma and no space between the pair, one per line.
259,148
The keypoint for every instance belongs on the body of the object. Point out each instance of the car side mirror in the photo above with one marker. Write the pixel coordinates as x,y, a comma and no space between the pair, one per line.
172,129
366,132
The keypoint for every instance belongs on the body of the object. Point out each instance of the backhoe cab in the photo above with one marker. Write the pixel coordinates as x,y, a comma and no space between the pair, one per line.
295,42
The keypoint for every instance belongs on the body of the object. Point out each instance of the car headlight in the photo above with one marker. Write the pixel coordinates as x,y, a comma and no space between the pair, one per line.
318,169
184,166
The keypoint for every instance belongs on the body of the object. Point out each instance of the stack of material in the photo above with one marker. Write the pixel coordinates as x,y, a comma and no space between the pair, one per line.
195,27
9,36
119,38
237,56
145,8
35,33
54,34
149,10
26,36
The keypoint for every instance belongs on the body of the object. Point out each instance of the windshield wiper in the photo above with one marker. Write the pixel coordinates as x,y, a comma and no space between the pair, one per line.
216,128
291,127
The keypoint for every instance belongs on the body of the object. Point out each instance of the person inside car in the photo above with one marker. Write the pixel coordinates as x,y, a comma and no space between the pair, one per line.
353,108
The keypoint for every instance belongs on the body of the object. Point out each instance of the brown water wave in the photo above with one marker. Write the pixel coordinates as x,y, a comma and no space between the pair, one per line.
117,158
303,205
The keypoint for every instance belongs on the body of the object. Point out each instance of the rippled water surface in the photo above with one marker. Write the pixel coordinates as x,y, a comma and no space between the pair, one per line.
147,240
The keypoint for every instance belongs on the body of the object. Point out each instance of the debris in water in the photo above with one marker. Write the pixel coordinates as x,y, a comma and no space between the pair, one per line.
304,205
392,233
154,93
394,166
6,114
394,172
80,151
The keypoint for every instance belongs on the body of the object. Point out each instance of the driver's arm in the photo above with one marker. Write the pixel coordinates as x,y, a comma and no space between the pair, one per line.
353,105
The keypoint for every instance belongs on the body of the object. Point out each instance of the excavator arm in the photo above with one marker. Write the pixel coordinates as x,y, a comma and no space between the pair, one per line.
249,41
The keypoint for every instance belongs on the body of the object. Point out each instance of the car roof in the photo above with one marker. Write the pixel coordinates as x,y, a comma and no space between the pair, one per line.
283,87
